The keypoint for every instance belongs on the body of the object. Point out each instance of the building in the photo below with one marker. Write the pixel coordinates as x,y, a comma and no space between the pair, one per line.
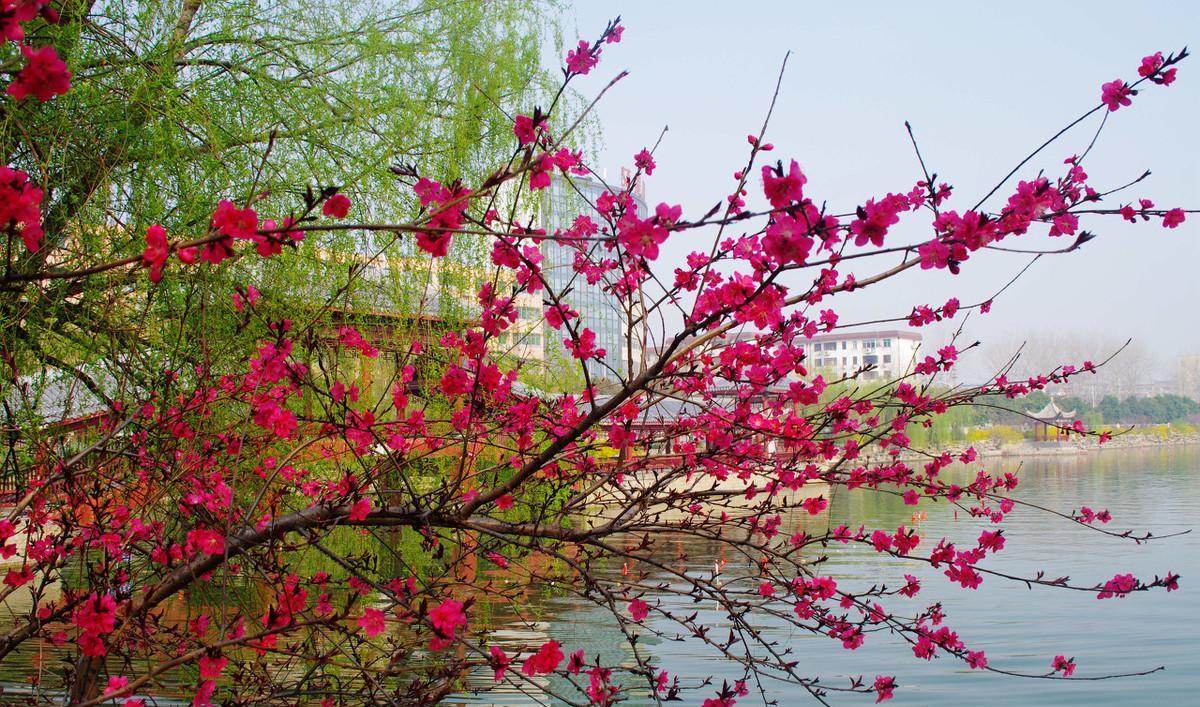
889,354
599,310
1051,423
409,281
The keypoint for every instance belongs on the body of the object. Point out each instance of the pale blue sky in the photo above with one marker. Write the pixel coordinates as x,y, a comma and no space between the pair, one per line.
982,83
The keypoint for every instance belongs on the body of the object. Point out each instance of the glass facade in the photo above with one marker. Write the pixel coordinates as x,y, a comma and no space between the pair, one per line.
599,310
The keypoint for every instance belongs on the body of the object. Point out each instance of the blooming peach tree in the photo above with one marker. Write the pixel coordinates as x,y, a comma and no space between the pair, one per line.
317,510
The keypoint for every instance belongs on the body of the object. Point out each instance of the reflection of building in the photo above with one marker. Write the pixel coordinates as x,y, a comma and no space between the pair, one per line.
599,310
891,353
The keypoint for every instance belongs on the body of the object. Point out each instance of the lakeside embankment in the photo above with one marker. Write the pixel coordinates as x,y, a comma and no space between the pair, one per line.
1077,445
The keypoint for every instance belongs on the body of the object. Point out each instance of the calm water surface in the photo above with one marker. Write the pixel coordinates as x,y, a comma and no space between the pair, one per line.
1156,490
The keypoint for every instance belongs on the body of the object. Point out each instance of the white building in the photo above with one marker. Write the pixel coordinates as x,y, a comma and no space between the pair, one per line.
889,354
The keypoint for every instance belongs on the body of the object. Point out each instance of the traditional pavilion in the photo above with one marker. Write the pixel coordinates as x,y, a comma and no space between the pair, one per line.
1051,420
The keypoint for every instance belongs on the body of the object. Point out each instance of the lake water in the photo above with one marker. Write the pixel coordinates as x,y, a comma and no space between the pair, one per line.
1156,490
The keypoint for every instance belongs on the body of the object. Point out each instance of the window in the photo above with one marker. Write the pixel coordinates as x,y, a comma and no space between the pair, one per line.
887,358
871,360
843,349
887,343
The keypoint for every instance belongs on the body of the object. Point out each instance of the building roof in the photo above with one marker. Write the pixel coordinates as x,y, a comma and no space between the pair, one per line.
869,334
1051,412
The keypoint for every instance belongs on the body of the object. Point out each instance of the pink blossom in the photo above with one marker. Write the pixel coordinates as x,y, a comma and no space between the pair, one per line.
372,622
44,76
231,221
546,660
359,510
1150,64
1064,665
525,129
16,12
156,252
1115,94
116,684
1173,218
644,161
557,315
95,617
787,239
642,237
540,171
499,661
446,618
456,381
875,218
211,668
206,688
20,205
351,338
881,540
638,609
336,206
884,687
993,541
1150,68
207,541
783,189
1120,586
815,505
585,346
582,59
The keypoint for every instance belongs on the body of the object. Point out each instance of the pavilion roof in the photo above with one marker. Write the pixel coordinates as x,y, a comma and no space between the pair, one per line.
1051,412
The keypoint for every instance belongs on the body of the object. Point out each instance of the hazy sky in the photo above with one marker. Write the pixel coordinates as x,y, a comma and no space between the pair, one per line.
982,84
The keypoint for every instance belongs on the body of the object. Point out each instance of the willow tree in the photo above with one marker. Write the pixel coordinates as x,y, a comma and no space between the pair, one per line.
173,103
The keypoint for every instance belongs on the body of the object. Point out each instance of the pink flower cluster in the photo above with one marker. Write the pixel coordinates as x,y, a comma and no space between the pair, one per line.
448,206
44,76
20,206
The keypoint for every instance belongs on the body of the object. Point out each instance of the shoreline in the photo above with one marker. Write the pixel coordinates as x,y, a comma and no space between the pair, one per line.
1075,446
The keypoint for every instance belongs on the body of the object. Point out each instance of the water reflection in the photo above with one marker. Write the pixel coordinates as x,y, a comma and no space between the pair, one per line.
1156,490
1152,489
